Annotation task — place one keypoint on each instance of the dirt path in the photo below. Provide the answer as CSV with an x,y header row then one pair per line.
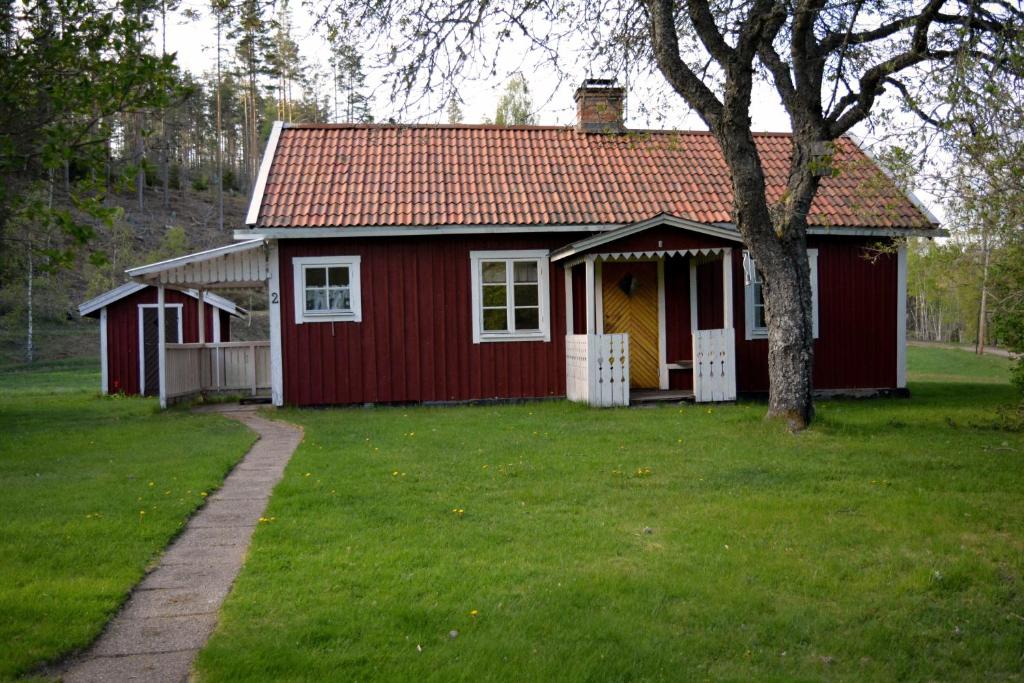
x,y
172,612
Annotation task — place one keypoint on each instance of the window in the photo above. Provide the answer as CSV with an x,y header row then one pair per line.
x,y
327,289
757,326
510,296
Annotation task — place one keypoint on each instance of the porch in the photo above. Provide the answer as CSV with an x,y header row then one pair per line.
x,y
227,367
652,319
191,369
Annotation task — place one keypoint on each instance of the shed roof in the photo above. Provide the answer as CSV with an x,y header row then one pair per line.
x,y
91,308
346,175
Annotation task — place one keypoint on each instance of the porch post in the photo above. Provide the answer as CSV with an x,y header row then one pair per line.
x,y
161,336
662,343
202,318
693,294
568,300
727,287
274,297
591,327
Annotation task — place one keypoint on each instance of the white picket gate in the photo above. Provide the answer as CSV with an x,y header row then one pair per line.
x,y
714,365
597,369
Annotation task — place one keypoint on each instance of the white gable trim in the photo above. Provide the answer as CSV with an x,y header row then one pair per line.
x,y
256,201
633,228
109,297
127,289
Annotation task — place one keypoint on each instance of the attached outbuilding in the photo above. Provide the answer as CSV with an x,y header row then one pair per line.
x,y
129,331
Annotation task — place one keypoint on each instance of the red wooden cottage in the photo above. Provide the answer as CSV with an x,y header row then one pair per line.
x,y
128,315
461,262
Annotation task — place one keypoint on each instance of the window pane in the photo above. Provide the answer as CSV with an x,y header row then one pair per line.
x,y
526,295
495,320
494,271
495,295
340,299
338,277
526,271
316,277
316,300
527,319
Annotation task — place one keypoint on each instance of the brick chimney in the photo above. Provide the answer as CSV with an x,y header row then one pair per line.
x,y
599,104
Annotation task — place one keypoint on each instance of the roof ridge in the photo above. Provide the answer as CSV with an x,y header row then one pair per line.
x,y
496,127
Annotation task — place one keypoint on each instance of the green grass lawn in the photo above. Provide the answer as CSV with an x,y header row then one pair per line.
x,y
564,543
936,364
91,490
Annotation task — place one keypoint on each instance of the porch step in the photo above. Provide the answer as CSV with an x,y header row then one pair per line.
x,y
657,396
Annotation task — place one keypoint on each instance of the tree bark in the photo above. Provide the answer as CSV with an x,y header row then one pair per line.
x,y
779,247
30,340
983,305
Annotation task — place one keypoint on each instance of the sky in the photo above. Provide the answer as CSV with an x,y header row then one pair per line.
x,y
650,103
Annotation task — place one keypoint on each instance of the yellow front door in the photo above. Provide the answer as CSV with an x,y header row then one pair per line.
x,y
630,292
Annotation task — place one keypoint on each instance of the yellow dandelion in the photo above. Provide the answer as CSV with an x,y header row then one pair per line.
x,y
204,494
473,613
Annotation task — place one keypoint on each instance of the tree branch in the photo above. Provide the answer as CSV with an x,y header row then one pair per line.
x,y
665,43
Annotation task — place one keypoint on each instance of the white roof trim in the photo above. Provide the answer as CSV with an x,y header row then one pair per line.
x,y
197,257
261,180
846,231
129,288
888,174
659,220
417,230
106,298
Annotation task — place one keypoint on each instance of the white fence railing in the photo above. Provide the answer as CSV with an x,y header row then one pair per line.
x,y
714,365
597,369
227,366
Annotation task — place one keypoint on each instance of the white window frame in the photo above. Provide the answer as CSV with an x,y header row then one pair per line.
x,y
540,256
749,269
299,266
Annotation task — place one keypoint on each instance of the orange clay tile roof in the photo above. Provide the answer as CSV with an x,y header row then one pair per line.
x,y
393,175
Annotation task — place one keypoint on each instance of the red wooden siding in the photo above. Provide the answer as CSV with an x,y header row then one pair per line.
x,y
415,341
123,333
856,345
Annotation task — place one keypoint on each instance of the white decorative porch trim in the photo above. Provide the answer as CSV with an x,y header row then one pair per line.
x,y
714,365
597,369
646,255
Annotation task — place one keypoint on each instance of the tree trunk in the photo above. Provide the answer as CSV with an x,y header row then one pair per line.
x,y
30,340
779,247
220,159
983,306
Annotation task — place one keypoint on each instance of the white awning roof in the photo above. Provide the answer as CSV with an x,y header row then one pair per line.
x,y
243,264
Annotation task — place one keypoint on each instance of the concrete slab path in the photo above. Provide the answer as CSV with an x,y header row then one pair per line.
x,y
173,611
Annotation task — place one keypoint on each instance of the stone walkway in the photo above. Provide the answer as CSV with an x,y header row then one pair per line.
x,y
172,612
